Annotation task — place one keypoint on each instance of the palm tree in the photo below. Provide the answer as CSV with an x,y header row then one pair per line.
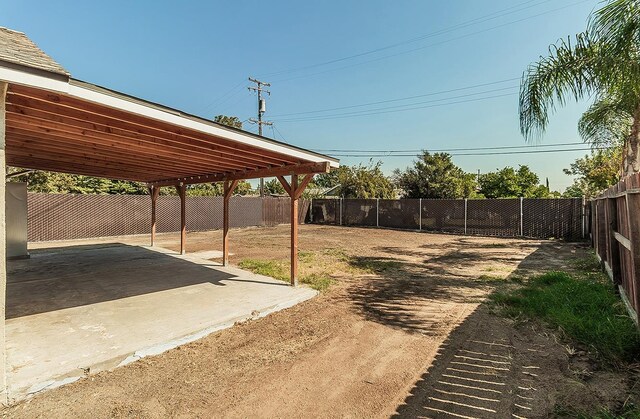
x,y
602,63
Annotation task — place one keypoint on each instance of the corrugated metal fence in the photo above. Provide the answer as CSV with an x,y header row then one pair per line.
x,y
615,236
67,216
536,218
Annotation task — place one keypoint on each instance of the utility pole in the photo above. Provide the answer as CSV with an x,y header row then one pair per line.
x,y
262,108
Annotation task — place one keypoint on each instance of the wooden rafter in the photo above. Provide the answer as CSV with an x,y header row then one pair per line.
x,y
61,133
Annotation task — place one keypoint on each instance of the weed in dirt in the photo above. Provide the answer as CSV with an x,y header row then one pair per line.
x,y
490,278
280,271
585,309
374,264
627,412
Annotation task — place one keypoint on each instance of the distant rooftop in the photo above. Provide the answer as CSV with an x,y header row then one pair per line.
x,y
17,48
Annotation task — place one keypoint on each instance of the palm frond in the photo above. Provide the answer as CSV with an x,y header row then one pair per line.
x,y
569,72
606,122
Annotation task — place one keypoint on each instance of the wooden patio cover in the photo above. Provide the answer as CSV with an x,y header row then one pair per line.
x,y
56,123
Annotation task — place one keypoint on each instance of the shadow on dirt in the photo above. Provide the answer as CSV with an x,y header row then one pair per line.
x,y
413,290
484,367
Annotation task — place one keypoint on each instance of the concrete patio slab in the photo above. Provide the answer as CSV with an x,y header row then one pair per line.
x,y
72,311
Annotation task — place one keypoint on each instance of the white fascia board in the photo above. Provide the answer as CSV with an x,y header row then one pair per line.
x,y
62,86
11,75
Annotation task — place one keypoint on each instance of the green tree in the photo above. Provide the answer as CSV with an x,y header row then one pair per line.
x,y
230,121
215,189
594,172
361,181
435,176
52,182
273,186
511,183
603,62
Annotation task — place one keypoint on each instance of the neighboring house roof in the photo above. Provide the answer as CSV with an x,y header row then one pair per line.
x,y
17,48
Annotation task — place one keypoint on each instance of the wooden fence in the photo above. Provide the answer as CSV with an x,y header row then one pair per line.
x,y
615,235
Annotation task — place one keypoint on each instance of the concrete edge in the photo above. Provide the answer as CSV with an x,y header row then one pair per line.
x,y
109,365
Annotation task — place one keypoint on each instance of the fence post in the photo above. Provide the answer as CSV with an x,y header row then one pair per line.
x,y
420,214
584,220
377,212
613,255
521,217
465,216
311,211
341,210
633,209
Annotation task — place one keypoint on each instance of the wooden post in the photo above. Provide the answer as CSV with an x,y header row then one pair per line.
x,y
613,256
154,191
229,187
3,246
182,192
633,209
294,190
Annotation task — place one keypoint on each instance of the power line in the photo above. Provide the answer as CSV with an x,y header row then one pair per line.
x,y
451,149
470,22
342,116
436,43
400,99
498,153
219,100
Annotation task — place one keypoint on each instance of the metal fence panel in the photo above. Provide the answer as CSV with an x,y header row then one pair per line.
x,y
359,212
443,215
493,217
398,213
552,218
325,211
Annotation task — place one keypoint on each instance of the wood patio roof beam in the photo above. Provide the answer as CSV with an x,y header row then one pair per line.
x,y
306,168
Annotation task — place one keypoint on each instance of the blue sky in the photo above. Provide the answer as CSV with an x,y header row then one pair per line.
x,y
197,55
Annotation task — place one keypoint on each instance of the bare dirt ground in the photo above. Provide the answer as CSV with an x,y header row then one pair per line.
x,y
400,332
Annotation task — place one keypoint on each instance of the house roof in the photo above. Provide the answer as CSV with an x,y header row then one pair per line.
x,y
17,48
62,124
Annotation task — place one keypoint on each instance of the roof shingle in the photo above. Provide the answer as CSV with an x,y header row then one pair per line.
x,y
17,48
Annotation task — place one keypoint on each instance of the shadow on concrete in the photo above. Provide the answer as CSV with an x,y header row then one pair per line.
x,y
65,277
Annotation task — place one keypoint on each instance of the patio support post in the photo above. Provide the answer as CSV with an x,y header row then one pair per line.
x,y
229,186
153,192
294,190
294,231
3,246
182,192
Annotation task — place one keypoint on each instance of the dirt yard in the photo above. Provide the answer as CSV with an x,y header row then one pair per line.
x,y
400,332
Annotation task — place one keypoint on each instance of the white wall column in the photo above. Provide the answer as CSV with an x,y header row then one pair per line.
x,y
3,246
